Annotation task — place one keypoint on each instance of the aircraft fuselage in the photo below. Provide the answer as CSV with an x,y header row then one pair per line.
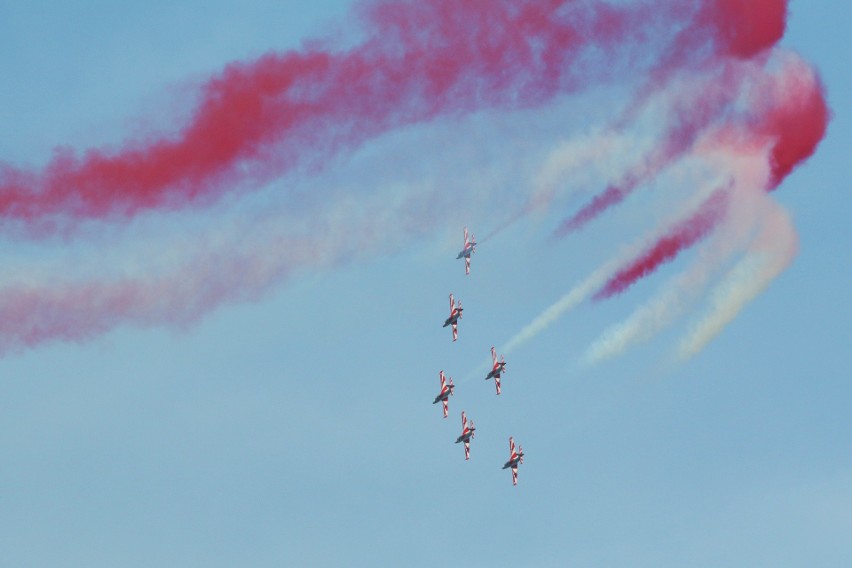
x,y
443,396
495,373
512,462
464,438
465,252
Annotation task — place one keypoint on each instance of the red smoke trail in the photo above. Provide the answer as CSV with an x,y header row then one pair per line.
x,y
677,143
797,126
77,309
681,237
744,28
259,119
692,110
740,29
423,59
789,112
613,195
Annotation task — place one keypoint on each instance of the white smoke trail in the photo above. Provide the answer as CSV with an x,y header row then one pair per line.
x,y
171,269
584,163
772,252
145,275
748,170
647,320
580,165
556,310
552,313
585,289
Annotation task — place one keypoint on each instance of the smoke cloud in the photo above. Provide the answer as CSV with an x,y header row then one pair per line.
x,y
687,78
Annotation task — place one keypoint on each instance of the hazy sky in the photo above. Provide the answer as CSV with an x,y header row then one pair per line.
x,y
291,423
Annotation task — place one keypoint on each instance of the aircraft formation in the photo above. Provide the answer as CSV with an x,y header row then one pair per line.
x,y
498,368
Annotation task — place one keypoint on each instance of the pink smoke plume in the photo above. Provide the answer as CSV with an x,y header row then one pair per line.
x,y
782,117
789,110
612,195
421,59
76,309
792,115
681,236
796,125
740,29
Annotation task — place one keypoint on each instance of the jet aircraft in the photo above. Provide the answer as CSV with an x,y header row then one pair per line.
x,y
466,435
455,314
469,248
497,368
515,458
446,391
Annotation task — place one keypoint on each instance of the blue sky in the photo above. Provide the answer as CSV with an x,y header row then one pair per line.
x,y
297,429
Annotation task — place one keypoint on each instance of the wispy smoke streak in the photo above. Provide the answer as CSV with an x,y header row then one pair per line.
x,y
790,125
556,310
239,261
648,319
715,73
688,104
259,119
772,252
750,174
549,316
683,235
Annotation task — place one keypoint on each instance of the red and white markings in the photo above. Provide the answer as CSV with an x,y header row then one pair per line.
x,y
445,393
515,458
455,315
466,435
497,369
469,248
